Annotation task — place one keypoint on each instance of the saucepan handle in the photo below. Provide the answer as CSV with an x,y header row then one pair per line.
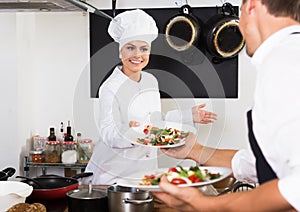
x,y
138,202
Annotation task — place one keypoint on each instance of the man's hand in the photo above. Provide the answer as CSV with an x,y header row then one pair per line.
x,y
183,199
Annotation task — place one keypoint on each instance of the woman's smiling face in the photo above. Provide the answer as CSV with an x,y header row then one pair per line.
x,y
135,56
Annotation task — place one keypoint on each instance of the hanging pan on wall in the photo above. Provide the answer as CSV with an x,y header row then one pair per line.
x,y
223,37
183,30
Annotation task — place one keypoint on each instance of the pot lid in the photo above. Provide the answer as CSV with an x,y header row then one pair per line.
x,y
87,194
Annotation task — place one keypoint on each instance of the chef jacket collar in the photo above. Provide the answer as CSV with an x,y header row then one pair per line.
x,y
124,77
275,39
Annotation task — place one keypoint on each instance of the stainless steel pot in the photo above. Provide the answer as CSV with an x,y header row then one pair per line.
x,y
87,200
125,199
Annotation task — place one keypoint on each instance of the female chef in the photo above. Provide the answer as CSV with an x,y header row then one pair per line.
x,y
126,99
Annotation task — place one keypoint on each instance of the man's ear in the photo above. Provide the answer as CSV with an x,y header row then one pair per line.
x,y
249,6
253,5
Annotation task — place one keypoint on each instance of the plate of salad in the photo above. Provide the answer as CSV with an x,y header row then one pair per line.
x,y
167,135
180,176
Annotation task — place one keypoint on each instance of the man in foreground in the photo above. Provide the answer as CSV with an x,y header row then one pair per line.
x,y
272,32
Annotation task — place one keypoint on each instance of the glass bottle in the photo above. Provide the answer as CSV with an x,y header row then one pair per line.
x,y
78,138
69,136
52,136
61,133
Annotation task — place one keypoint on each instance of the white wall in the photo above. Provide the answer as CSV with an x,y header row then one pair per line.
x,y
45,79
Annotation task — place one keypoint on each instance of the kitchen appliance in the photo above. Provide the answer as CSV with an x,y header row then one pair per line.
x,y
38,6
126,199
48,6
52,186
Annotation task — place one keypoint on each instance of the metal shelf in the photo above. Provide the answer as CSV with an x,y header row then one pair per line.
x,y
44,166
58,165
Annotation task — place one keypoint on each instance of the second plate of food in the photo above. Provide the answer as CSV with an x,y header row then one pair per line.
x,y
184,177
160,134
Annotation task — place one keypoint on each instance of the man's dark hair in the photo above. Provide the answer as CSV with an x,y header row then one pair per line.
x,y
283,8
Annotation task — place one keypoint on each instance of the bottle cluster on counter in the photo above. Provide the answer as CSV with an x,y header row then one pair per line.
x,y
62,148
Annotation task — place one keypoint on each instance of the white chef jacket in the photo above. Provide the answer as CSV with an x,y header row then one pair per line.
x,y
122,100
276,113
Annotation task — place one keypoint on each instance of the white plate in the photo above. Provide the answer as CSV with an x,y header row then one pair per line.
x,y
137,132
133,180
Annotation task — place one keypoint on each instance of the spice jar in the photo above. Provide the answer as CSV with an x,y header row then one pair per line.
x,y
39,143
85,150
36,156
69,152
52,152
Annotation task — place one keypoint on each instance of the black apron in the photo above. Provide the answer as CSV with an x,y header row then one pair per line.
x,y
264,170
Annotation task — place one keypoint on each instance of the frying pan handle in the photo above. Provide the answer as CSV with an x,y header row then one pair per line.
x,y
81,175
9,171
186,9
227,9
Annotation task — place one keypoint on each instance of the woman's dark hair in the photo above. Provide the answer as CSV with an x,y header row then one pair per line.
x,y
283,8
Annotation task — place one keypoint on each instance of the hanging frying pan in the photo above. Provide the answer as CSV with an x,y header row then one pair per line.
x,y
183,30
223,37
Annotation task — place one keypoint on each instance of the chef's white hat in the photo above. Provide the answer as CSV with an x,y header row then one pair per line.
x,y
133,25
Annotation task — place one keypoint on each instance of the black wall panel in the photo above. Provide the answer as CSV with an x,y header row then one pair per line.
x,y
188,74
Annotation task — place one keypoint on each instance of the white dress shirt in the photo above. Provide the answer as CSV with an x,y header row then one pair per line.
x,y
276,113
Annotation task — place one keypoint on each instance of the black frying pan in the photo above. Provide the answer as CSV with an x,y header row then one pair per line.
x,y
223,37
183,30
53,187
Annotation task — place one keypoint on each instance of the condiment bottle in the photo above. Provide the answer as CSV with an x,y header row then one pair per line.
x,y
69,136
52,136
78,137
61,136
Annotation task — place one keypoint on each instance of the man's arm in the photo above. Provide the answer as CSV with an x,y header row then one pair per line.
x,y
263,198
202,155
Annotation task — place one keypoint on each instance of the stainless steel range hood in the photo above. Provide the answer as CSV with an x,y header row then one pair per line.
x,y
39,6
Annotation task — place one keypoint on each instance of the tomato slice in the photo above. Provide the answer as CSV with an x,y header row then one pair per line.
x,y
152,176
194,178
172,169
178,181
